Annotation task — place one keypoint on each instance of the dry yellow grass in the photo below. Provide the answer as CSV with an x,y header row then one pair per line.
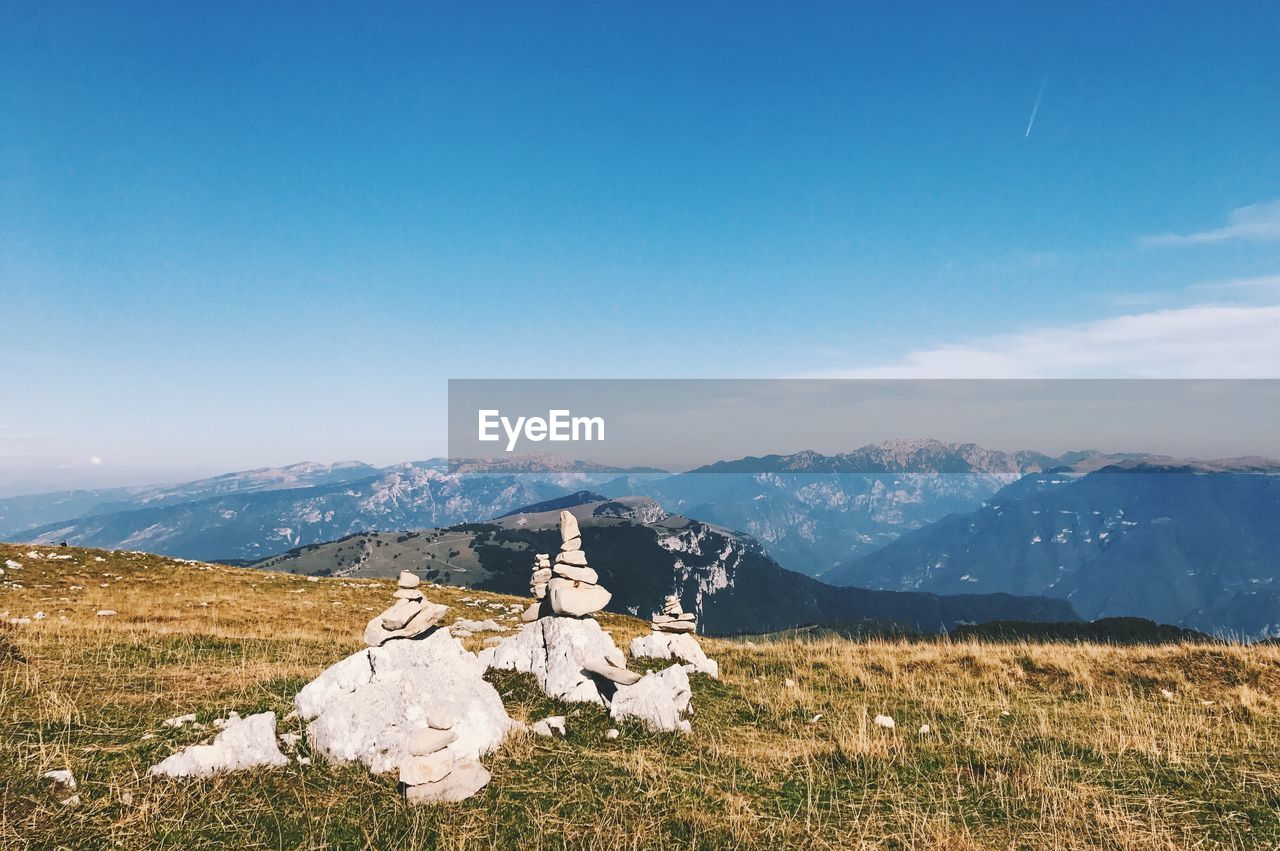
x,y
1031,746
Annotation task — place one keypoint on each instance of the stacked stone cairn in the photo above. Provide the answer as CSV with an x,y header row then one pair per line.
x,y
570,587
673,618
574,590
538,587
433,772
672,638
411,616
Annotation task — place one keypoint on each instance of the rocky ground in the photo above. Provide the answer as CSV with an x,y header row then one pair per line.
x,y
797,744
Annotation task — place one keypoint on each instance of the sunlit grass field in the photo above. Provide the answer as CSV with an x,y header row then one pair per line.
x,y
1029,746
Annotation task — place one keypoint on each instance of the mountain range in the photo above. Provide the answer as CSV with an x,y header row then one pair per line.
x,y
642,553
1188,543
1196,545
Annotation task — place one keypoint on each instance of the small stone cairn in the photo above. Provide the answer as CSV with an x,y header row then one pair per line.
x,y
411,616
570,587
673,618
433,772
673,638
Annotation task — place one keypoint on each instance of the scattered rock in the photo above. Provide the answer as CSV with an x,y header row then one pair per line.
x,y
243,743
60,778
884,721
179,720
106,613
549,726
611,733
659,700
924,729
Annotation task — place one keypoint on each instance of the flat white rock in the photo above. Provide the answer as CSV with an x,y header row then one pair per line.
x,y
366,707
577,574
573,558
662,645
243,743
660,700
549,726
576,599
467,778
426,617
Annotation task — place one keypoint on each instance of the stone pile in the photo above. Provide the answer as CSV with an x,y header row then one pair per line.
x,y
433,771
574,589
672,638
673,618
411,616
572,658
538,587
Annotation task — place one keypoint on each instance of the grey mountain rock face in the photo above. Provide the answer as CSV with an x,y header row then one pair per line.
x,y
1192,545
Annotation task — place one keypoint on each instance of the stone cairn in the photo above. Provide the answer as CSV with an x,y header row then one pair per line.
x,y
672,638
673,618
411,616
570,587
433,772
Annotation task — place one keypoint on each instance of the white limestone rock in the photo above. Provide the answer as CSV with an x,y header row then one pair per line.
x,y
660,700
549,726
466,779
556,650
428,740
576,599
243,743
366,707
426,768
577,574
568,527
381,630
408,580
621,676
574,558
659,645
571,544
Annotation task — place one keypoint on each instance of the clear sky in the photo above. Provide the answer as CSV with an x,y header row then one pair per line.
x,y
236,235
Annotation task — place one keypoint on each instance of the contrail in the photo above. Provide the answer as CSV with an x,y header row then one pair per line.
x,y
1036,108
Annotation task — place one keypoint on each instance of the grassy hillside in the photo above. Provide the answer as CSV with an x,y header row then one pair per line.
x,y
1052,746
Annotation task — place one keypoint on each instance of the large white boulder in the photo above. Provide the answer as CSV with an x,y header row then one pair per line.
x,y
660,700
660,645
366,707
556,651
243,743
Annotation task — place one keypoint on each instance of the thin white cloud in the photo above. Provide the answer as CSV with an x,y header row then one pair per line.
x,y
1203,341
1262,285
1255,223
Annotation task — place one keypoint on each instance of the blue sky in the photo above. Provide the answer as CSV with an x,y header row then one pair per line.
x,y
239,236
